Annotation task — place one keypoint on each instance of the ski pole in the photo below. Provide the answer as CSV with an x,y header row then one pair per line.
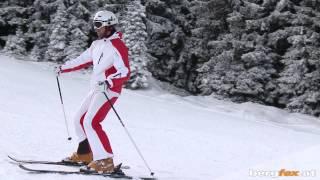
x,y
64,113
135,145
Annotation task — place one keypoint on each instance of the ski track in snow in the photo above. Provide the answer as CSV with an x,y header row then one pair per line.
x,y
182,138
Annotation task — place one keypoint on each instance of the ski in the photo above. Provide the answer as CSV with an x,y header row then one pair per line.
x,y
118,175
40,171
45,162
62,163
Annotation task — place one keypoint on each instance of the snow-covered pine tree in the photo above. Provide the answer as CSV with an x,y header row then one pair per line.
x,y
250,50
13,21
59,33
78,43
38,33
79,28
16,44
39,28
135,37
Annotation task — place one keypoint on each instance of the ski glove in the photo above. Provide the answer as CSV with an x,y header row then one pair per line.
x,y
57,70
103,85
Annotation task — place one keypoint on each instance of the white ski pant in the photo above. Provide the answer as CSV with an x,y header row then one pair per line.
x,y
92,112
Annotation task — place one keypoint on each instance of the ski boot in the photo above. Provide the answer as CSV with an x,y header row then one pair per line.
x,y
100,166
82,159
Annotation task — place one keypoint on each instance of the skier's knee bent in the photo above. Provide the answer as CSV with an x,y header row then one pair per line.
x,y
87,123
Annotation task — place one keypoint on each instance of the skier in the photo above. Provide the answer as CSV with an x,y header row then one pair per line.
x,y
109,57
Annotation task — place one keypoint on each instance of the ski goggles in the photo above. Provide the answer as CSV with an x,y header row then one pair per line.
x,y
98,24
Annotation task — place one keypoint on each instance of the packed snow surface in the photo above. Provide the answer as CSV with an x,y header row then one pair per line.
x,y
181,138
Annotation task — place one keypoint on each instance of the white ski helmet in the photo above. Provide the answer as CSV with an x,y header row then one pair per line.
x,y
104,18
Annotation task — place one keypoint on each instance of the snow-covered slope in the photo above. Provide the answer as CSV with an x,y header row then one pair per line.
x,y
182,138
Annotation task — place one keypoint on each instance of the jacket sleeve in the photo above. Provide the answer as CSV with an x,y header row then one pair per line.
x,y
82,61
122,73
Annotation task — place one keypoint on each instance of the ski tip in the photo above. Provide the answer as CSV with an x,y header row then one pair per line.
x,y
12,158
21,166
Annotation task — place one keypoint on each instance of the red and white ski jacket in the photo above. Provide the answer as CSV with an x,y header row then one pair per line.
x,y
109,57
